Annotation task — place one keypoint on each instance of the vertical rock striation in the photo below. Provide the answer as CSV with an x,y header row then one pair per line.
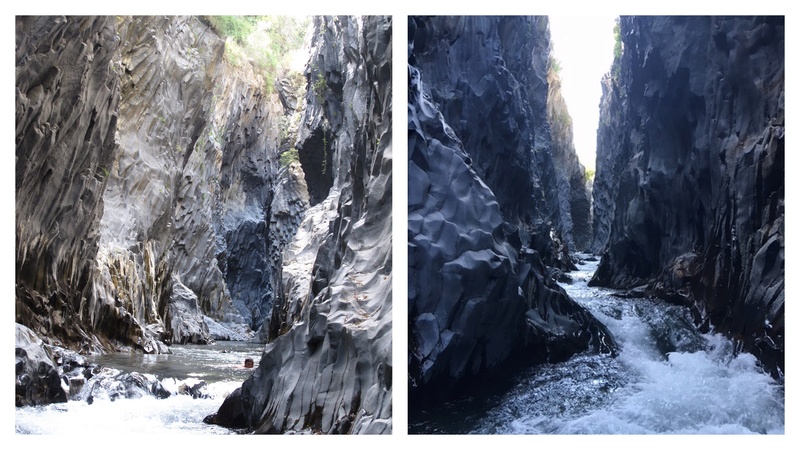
x,y
689,196
328,367
575,198
610,158
67,98
484,207
147,168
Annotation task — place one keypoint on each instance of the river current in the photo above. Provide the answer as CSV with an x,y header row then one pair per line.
x,y
220,366
667,379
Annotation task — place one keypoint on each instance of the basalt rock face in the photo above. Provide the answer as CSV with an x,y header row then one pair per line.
x,y
610,159
699,204
144,184
197,161
152,194
489,77
67,97
38,381
482,195
328,367
575,198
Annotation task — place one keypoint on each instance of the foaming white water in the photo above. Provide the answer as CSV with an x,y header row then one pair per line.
x,y
178,414
110,402
668,379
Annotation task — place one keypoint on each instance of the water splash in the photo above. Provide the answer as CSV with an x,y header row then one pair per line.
x,y
122,397
668,379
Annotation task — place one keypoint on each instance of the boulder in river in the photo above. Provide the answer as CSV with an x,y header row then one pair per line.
x,y
38,380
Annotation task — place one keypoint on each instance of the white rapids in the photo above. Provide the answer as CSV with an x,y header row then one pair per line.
x,y
109,412
667,379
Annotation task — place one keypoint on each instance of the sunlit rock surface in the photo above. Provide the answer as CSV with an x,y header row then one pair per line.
x,y
575,198
689,194
328,366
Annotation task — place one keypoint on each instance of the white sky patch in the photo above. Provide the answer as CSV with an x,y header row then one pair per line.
x,y
585,48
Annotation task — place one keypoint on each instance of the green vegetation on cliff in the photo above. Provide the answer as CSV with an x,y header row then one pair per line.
x,y
265,43
615,66
289,156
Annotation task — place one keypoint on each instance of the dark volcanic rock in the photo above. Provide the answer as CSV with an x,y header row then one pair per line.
x,y
481,198
67,95
573,193
112,384
328,367
38,380
489,78
611,157
234,412
690,177
142,156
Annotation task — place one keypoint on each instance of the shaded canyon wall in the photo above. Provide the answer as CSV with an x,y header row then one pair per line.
x,y
485,207
689,193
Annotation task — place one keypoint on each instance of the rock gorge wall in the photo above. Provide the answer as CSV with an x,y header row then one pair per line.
x,y
67,98
328,367
147,169
485,207
689,193
573,193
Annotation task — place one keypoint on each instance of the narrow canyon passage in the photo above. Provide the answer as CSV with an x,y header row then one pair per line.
x,y
668,378
183,182
677,325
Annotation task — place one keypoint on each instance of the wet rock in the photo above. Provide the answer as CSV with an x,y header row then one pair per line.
x,y
38,380
75,370
113,384
559,276
689,193
193,388
234,412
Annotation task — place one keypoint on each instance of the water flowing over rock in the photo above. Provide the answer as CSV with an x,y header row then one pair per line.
x,y
328,367
689,193
485,207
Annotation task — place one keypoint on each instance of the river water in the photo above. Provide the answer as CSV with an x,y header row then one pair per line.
x,y
668,379
220,366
